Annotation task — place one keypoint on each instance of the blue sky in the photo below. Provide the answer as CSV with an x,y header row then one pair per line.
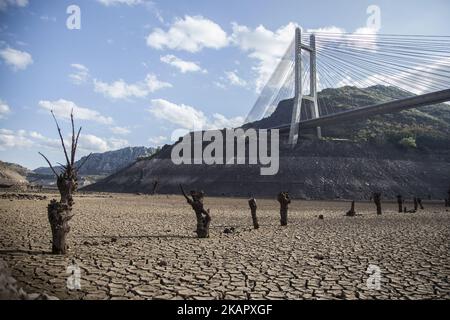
x,y
137,70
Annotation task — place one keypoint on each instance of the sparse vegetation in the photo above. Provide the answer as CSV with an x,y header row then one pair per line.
x,y
430,126
151,156
409,142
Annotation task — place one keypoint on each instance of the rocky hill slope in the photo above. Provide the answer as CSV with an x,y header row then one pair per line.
x,y
12,175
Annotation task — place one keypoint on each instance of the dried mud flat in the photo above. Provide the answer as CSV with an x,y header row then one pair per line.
x,y
144,247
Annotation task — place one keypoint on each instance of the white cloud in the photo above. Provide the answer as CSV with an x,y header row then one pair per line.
x,y
119,2
87,142
121,90
4,109
45,141
18,60
153,84
330,30
80,74
220,85
220,122
263,45
342,38
26,139
182,65
114,143
62,108
182,115
92,143
189,117
234,79
118,89
14,139
120,130
157,140
47,18
192,34
4,4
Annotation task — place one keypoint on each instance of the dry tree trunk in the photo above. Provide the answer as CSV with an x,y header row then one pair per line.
x,y
351,212
203,225
203,216
377,201
60,213
252,204
419,201
59,216
284,200
400,203
155,185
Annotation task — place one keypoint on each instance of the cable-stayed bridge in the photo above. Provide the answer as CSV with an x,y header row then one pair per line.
x,y
417,65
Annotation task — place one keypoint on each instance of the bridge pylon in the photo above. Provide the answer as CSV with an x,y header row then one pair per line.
x,y
299,96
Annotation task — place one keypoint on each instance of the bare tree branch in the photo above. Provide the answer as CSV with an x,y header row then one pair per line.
x,y
76,142
72,153
61,137
64,167
51,167
184,193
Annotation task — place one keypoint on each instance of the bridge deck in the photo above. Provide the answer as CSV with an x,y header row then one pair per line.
x,y
365,112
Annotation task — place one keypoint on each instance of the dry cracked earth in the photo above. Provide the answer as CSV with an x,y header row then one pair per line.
x,y
144,247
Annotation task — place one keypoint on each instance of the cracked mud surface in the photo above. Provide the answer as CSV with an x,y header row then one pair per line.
x,y
144,247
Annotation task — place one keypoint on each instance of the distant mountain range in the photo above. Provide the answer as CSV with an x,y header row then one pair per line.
x,y
105,163
98,166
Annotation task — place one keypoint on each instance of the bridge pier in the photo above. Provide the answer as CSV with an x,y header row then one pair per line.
x,y
299,96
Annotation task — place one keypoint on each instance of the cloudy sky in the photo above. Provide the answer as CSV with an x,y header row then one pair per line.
x,y
139,72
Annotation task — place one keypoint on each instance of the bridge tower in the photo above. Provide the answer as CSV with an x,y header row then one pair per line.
x,y
299,97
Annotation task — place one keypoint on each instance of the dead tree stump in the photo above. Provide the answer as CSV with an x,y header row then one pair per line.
x,y
60,213
377,201
284,200
203,225
351,212
252,204
202,215
400,203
